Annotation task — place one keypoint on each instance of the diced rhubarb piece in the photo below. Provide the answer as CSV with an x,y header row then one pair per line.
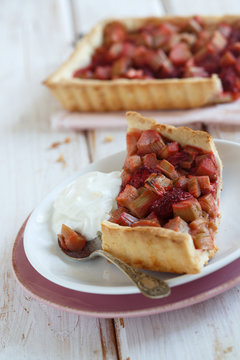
x,y
203,241
193,187
180,54
181,182
128,194
158,183
225,29
126,219
208,204
115,214
132,163
126,177
194,25
132,73
84,73
155,59
120,66
114,32
169,150
72,240
206,167
212,226
103,72
145,222
150,141
162,207
204,183
131,139
188,210
235,47
168,70
168,169
195,71
141,206
150,160
217,43
199,224
177,224
187,162
228,59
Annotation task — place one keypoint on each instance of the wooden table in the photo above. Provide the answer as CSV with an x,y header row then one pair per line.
x,y
36,36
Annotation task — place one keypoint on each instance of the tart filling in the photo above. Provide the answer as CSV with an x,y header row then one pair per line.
x,y
171,183
168,50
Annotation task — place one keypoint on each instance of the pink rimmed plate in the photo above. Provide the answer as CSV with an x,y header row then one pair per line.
x,y
112,306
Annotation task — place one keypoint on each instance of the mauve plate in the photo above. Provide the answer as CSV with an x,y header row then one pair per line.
x,y
113,306
101,277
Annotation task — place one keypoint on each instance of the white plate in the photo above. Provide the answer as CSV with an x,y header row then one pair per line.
x,y
98,276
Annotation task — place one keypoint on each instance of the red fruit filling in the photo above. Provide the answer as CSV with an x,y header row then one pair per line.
x,y
166,184
159,51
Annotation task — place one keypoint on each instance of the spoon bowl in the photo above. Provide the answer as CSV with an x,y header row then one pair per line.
x,y
148,285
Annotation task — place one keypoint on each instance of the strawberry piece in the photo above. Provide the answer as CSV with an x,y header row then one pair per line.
x,y
180,54
227,59
168,169
150,141
128,194
204,183
145,222
193,187
126,219
237,65
181,182
132,163
235,48
208,204
206,167
158,183
150,160
169,150
228,77
132,138
141,206
177,224
188,210
162,207
70,239
139,177
178,157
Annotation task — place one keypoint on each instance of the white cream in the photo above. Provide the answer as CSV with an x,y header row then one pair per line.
x,y
84,204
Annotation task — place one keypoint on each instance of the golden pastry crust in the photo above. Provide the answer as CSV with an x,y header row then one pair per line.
x,y
123,94
155,248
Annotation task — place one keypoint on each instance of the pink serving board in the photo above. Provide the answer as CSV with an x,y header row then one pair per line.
x,y
112,306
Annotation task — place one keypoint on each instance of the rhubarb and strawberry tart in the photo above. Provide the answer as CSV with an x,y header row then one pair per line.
x,y
168,205
152,63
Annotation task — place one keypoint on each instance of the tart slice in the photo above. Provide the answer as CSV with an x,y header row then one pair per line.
x,y
168,205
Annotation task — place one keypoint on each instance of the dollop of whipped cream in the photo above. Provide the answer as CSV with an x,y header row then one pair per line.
x,y
85,203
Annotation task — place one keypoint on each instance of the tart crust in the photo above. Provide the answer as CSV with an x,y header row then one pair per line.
x,y
157,248
123,94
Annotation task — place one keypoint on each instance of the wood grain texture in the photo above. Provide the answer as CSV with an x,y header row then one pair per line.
x,y
33,161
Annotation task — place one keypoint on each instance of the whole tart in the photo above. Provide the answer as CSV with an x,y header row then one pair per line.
x,y
168,205
152,63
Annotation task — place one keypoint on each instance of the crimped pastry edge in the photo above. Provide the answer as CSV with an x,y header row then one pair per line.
x,y
154,248
124,94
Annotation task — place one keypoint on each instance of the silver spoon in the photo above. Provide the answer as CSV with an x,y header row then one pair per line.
x,y
148,285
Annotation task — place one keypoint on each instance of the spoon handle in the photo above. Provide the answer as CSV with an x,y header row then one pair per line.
x,y
148,285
